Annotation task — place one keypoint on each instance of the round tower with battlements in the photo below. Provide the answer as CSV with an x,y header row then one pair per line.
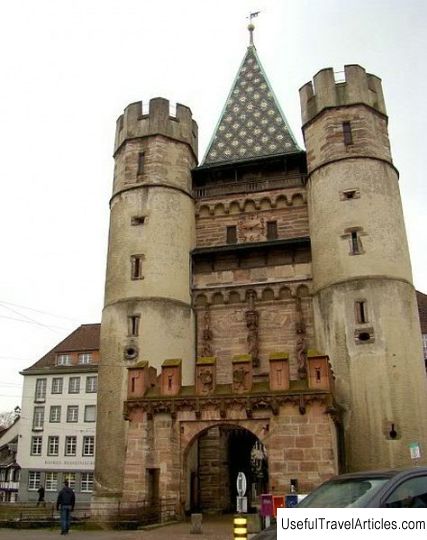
x,y
365,306
147,314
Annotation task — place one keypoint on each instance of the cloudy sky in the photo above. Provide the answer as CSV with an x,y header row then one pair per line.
x,y
69,67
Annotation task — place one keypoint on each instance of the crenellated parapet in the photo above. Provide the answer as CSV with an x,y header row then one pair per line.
x,y
324,92
133,123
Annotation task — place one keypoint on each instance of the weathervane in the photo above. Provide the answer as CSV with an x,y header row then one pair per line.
x,y
251,26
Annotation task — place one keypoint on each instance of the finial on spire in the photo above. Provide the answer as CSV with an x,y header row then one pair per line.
x,y
251,26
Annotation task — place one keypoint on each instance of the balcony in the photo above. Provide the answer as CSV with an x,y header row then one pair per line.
x,y
249,186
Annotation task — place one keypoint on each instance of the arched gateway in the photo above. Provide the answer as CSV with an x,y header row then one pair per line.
x,y
212,462
187,444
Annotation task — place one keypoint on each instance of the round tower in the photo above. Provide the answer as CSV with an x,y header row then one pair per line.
x,y
365,306
147,313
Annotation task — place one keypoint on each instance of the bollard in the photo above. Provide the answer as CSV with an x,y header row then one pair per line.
x,y
196,523
240,524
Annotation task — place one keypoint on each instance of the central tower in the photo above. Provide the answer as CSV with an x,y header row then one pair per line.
x,y
147,313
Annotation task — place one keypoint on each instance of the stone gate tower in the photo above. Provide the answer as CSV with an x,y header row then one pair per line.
x,y
364,302
147,313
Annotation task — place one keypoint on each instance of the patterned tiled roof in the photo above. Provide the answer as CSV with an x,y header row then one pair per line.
x,y
252,124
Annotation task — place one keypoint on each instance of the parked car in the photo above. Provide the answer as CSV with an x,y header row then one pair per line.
x,y
395,488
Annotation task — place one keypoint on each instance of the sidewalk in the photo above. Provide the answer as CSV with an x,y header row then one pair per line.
x,y
218,528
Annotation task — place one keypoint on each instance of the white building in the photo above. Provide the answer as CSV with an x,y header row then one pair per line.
x,y
58,418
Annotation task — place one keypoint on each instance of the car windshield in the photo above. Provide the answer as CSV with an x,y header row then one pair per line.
x,y
352,492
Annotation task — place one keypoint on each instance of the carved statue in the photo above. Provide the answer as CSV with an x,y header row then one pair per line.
x,y
206,336
206,378
252,325
301,347
239,376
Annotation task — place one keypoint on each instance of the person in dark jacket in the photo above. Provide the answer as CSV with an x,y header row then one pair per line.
x,y
65,504
40,491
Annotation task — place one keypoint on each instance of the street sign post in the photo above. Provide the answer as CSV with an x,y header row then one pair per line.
x,y
241,484
242,501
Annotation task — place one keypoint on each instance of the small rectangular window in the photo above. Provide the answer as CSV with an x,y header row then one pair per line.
x,y
71,477
72,413
87,482
355,244
57,385
361,312
33,480
53,445
63,360
88,448
38,418
141,162
51,481
348,135
40,394
36,446
74,385
136,266
85,358
231,234
271,230
70,446
90,413
91,384
133,325
55,413
137,220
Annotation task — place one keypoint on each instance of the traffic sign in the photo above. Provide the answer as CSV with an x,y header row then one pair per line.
x,y
241,484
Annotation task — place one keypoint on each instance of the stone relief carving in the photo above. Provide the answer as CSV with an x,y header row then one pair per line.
x,y
252,316
206,378
239,377
251,228
301,344
206,349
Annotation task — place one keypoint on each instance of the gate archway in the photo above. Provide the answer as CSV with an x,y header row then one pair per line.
x,y
213,460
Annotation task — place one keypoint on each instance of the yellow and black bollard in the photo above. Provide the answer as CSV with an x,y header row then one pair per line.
x,y
240,525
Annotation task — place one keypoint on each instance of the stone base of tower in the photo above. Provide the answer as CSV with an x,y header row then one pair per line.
x,y
380,375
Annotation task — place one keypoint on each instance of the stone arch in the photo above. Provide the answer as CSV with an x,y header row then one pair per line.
x,y
250,205
201,300
204,211
217,298
234,297
234,207
219,209
265,203
302,290
297,199
285,293
281,201
267,294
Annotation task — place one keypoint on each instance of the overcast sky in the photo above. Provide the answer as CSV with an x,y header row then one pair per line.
x,y
69,67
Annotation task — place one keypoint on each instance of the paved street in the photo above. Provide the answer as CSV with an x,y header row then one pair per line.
x,y
220,528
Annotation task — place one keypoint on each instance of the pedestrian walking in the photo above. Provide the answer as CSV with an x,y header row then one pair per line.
x,y
65,504
40,491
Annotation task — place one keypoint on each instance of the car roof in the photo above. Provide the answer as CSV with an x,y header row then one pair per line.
x,y
383,473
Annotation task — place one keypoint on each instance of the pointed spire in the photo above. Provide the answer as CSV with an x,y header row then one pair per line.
x,y
252,124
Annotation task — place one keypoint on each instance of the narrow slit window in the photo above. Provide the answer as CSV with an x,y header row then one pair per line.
x,y
136,266
141,162
361,312
133,325
355,244
271,230
347,133
231,234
